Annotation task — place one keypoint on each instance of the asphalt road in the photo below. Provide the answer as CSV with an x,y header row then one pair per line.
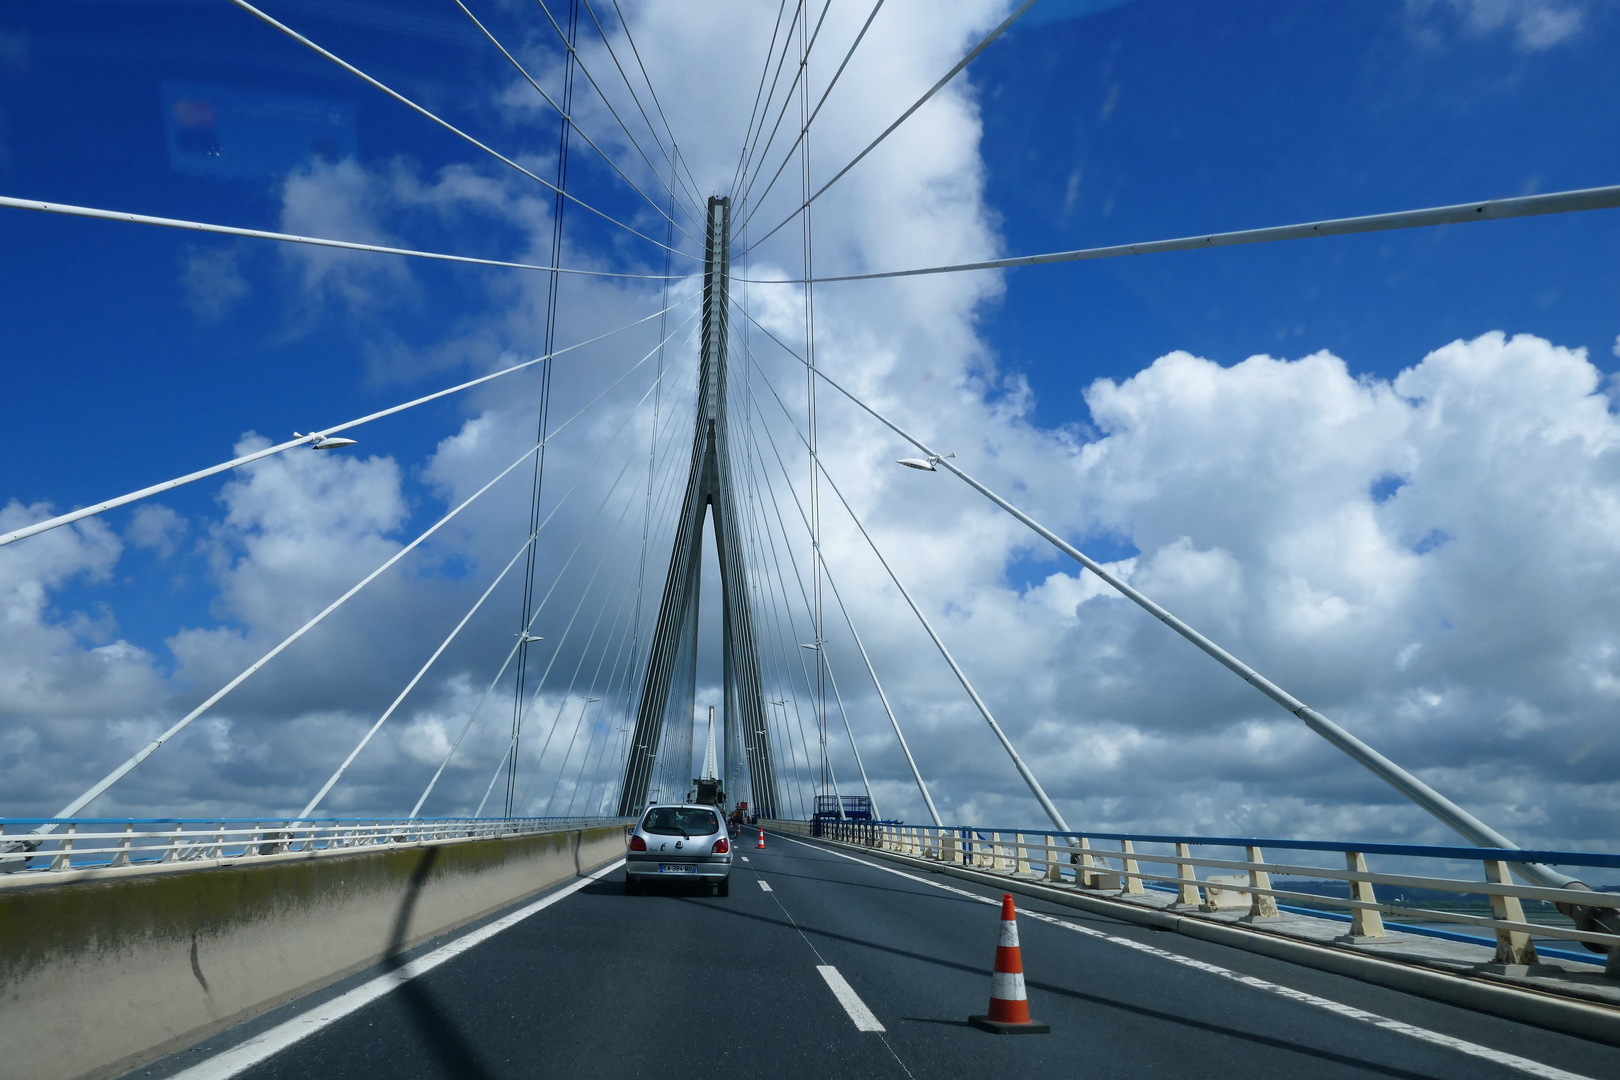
x,y
681,984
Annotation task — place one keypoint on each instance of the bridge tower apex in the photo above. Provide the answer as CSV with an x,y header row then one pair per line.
x,y
709,493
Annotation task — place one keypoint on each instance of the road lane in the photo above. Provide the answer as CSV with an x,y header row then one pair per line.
x,y
679,983
600,984
922,964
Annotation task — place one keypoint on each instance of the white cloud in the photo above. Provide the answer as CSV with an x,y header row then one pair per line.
x,y
1462,619
64,672
212,282
156,527
1535,24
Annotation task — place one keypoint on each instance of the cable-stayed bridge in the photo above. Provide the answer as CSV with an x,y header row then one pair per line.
x,y
496,938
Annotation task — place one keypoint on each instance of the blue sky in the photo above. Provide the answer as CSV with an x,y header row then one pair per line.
x,y
132,354
1172,119
1123,122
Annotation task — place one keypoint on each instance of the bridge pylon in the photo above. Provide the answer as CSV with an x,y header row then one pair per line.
x,y
674,639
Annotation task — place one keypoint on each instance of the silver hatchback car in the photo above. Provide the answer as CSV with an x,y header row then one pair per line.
x,y
683,842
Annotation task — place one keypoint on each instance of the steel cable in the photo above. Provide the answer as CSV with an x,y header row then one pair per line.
x,y
826,660
112,778
922,787
800,83
798,577
511,746
936,88
1553,202
567,117
1023,769
557,215
402,99
95,213
304,440
573,52
787,157
584,532
770,50
675,146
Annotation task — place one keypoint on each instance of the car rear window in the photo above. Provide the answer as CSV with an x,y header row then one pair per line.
x,y
680,820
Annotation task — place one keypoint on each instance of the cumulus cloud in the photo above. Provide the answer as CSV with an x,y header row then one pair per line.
x,y
66,672
1428,559
1253,494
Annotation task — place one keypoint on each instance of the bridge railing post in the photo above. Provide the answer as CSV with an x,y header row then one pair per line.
x,y
1054,870
1186,878
1133,872
1021,856
1512,946
121,857
1364,922
1261,905
63,860
171,850
1084,875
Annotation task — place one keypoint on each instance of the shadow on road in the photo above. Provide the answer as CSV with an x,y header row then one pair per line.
x,y
1256,1038
455,1054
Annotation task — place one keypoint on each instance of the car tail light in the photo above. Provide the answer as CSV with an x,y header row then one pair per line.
x,y
721,846
637,844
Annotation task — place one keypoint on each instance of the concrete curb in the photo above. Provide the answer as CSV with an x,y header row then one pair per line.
x,y
162,960
1542,1009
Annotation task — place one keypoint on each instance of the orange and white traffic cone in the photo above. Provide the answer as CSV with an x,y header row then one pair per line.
x,y
1009,1005
761,845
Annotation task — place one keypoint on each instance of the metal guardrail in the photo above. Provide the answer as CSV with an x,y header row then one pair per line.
x,y
850,831
80,844
1243,885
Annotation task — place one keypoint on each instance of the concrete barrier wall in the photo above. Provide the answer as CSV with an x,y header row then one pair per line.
x,y
105,973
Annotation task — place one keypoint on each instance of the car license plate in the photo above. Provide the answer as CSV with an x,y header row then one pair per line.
x,y
676,868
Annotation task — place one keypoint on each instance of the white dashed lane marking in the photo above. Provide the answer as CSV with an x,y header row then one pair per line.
x,y
848,998
765,885
1349,1012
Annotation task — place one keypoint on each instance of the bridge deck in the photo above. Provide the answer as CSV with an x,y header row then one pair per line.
x,y
679,985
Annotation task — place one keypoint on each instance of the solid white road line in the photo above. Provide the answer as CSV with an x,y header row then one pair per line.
x,y
240,1058
849,999
1485,1053
763,884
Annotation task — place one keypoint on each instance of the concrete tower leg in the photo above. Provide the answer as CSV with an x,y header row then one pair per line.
x,y
709,487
